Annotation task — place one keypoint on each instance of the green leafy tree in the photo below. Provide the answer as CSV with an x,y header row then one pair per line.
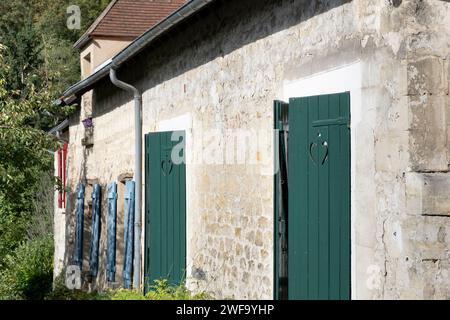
x,y
39,49
37,62
24,155
29,271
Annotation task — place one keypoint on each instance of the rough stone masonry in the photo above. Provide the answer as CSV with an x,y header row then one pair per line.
x,y
223,70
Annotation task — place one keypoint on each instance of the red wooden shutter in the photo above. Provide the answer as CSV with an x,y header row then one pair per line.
x,y
62,174
59,155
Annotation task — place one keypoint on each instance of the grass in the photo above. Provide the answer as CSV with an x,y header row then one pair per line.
x,y
161,290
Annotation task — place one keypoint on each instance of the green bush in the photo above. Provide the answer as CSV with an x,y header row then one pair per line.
x,y
61,292
126,294
160,291
28,271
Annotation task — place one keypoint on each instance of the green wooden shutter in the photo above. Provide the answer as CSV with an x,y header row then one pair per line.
x,y
165,186
319,197
280,200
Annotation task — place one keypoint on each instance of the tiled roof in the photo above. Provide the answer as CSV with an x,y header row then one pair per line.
x,y
129,18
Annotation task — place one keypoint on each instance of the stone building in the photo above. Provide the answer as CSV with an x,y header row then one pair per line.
x,y
311,150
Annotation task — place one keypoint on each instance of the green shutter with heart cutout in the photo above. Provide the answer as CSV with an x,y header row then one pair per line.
x,y
165,207
319,197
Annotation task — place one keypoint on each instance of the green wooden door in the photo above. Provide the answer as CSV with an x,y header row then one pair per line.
x,y
319,197
165,205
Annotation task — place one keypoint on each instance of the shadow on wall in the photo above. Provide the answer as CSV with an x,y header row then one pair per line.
x,y
218,30
88,282
100,281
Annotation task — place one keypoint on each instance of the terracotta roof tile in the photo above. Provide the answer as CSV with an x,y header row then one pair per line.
x,y
131,18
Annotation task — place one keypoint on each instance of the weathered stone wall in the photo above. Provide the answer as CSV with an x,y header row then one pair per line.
x,y
415,233
223,70
107,157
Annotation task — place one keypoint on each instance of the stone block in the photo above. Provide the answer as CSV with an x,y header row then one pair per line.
x,y
428,193
426,76
435,192
427,142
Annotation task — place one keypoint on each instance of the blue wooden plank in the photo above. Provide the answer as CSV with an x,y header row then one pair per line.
x,y
111,237
129,234
95,230
78,250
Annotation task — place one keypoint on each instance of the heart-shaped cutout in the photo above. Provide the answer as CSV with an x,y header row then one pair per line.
x,y
166,167
312,146
323,152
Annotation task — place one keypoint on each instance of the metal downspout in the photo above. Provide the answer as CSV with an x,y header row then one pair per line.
x,y
137,171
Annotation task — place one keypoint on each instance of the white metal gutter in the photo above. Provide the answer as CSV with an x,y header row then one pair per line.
x,y
137,96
